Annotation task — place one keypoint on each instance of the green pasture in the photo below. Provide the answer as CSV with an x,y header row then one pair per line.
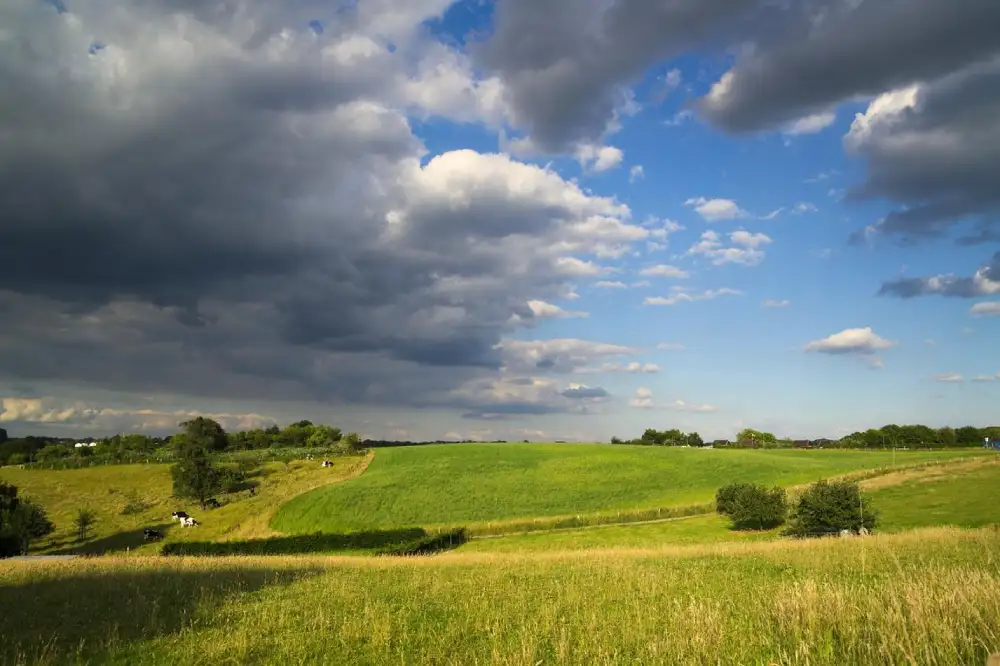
x,y
468,484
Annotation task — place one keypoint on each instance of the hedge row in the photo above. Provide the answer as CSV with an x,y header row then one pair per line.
x,y
410,541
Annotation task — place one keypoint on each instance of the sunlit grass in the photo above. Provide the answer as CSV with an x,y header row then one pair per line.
x,y
931,596
106,490
478,484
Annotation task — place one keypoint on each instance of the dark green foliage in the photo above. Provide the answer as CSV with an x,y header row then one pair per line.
x,y
830,507
758,508
194,474
673,437
3,435
83,522
408,541
21,521
725,497
205,433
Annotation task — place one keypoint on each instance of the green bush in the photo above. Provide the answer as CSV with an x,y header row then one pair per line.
x,y
756,507
829,508
725,497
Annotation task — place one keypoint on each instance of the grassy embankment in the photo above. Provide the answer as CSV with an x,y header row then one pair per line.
x,y
930,597
497,488
107,489
960,494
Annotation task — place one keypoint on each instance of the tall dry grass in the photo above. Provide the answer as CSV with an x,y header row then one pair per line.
x,y
926,597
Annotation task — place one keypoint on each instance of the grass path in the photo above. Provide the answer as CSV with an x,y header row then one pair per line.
x,y
930,596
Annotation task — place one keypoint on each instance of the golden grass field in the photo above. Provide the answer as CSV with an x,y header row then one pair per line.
x,y
683,591
930,596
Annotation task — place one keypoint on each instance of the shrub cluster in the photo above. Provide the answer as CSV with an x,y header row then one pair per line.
x,y
751,506
831,507
824,508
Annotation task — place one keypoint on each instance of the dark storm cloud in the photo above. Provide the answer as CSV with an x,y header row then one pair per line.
x,y
986,282
853,48
204,207
934,155
564,63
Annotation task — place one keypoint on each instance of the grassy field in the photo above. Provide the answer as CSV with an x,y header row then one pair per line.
x,y
968,497
928,597
466,484
107,489
961,494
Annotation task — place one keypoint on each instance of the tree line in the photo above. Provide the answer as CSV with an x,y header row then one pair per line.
x,y
136,447
886,437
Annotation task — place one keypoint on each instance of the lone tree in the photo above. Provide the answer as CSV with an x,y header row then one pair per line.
x,y
193,474
829,508
21,522
84,521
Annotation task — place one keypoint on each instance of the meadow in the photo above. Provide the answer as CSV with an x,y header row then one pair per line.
x,y
108,489
475,484
958,494
930,596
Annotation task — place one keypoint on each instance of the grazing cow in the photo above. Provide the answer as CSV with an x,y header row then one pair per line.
x,y
253,491
179,515
327,463
149,534
212,503
189,522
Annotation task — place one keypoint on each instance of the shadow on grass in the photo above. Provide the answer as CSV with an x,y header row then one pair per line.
x,y
409,541
117,542
68,619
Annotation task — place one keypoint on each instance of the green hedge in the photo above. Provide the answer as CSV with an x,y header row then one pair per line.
x,y
410,541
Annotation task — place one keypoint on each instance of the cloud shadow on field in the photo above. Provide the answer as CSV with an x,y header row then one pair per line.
x,y
62,619
117,542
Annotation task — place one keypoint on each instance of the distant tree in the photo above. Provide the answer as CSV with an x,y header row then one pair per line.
x,y
3,435
350,443
303,424
194,475
323,435
946,437
206,433
830,507
758,438
969,436
51,452
756,507
616,440
693,439
21,522
83,522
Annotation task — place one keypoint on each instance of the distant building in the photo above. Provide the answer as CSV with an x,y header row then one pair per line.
x,y
80,445
822,442
802,444
992,444
720,442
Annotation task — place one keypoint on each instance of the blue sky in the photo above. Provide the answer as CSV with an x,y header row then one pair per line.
x,y
827,251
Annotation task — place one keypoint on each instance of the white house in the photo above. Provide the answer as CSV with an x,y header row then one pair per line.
x,y
80,445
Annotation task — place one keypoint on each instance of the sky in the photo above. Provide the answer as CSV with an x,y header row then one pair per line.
x,y
521,219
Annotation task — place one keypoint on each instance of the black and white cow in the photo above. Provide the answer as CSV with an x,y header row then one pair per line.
x,y
212,503
188,521
178,515
327,463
